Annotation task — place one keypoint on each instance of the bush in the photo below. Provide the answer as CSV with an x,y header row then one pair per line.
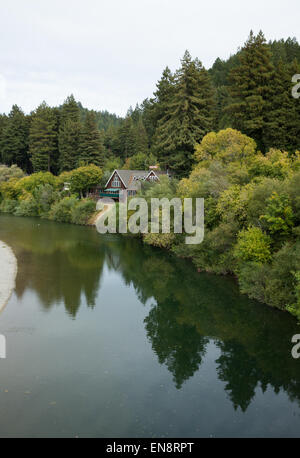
x,y
160,240
279,215
6,173
82,212
31,182
253,245
27,207
215,254
62,211
45,196
8,206
276,284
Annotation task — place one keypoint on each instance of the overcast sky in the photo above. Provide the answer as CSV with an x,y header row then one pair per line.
x,y
111,53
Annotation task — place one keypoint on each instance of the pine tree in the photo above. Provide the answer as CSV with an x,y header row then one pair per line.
x,y
164,93
294,125
43,139
282,125
141,138
188,118
250,88
91,147
69,132
3,123
14,142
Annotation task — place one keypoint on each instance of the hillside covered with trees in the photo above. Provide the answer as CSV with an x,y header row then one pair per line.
x,y
251,92
230,134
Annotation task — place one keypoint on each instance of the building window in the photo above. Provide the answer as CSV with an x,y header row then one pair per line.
x,y
116,183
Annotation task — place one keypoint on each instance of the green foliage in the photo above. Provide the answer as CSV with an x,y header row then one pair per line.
x,y
215,254
83,211
43,139
8,206
160,240
112,163
14,139
140,161
279,215
45,196
253,245
27,207
275,164
61,211
226,146
91,148
6,173
187,116
9,189
250,88
294,308
30,182
84,178
275,283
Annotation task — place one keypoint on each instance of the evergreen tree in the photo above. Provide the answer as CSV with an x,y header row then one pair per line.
x,y
91,147
3,123
43,139
158,107
14,139
188,118
251,88
282,123
69,132
294,125
141,138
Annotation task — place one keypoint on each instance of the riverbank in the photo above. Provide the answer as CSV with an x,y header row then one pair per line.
x,y
8,273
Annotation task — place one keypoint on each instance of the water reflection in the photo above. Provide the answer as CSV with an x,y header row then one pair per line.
x,y
64,264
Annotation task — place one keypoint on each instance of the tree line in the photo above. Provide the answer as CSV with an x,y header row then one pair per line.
x,y
251,92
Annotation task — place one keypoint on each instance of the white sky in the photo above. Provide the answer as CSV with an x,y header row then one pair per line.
x,y
111,53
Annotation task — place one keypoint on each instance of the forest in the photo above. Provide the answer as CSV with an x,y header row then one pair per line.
x,y
229,134
250,92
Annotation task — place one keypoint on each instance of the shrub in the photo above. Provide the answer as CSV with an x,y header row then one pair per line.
x,y
45,196
215,254
276,284
279,215
84,178
8,206
160,240
27,207
61,211
253,245
82,212
6,173
31,182
228,145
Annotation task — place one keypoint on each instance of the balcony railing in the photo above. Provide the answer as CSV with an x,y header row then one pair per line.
x,y
109,193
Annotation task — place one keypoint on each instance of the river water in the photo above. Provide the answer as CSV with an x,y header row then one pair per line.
x,y
107,337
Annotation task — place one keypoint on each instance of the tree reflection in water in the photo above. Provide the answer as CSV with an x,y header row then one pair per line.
x,y
65,263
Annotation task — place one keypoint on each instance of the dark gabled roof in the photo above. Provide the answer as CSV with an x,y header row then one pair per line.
x,y
127,176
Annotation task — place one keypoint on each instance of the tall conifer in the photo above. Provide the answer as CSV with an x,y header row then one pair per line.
x,y
43,139
69,132
250,88
188,117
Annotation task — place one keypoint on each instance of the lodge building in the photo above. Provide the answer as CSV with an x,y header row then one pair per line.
x,y
130,180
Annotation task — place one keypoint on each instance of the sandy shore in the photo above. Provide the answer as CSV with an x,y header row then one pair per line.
x,y
8,273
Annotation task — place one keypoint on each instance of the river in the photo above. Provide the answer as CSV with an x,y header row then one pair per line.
x,y
107,337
